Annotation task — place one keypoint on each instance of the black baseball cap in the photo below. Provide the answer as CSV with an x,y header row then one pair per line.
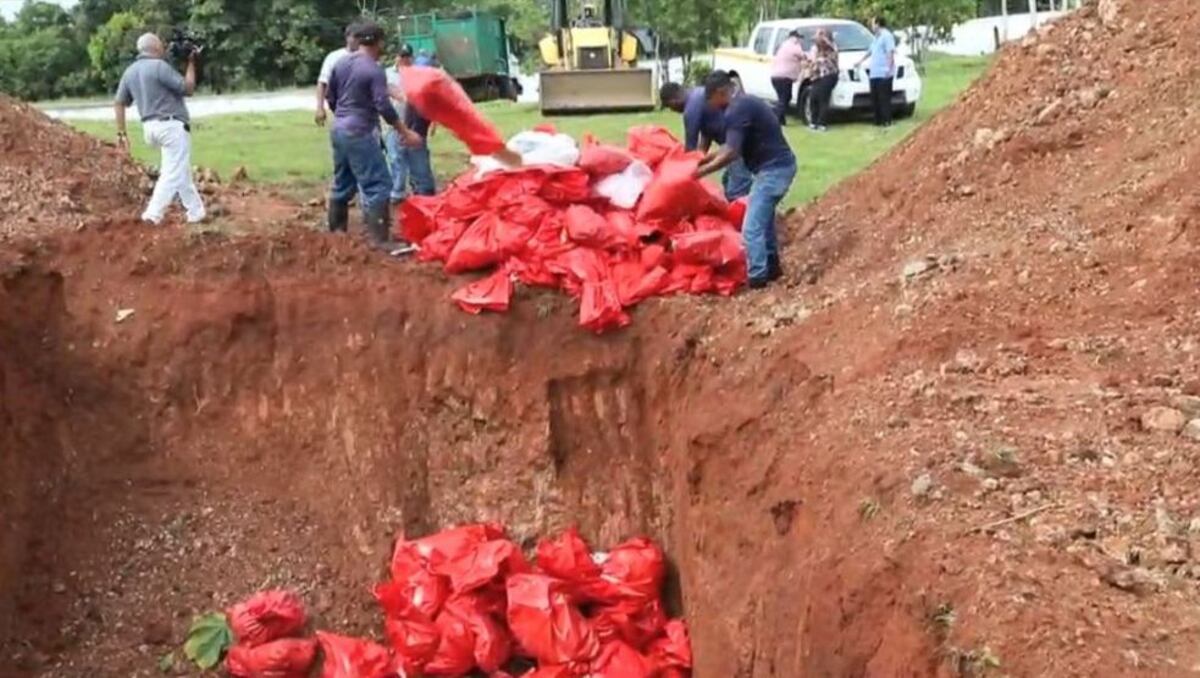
x,y
406,50
369,34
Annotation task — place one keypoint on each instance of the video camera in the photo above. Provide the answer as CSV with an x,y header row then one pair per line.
x,y
184,44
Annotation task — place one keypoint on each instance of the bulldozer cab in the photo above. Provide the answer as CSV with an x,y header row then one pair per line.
x,y
591,61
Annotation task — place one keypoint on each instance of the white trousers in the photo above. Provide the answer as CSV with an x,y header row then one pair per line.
x,y
175,172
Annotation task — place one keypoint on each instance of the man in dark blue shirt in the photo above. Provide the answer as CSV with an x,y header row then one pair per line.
x,y
752,132
358,96
702,126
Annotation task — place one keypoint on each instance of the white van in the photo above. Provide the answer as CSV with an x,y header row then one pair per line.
x,y
752,65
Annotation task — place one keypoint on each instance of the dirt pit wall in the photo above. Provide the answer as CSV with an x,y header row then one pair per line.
x,y
274,414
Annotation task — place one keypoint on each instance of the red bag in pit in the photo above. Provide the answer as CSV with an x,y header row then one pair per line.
x,y
673,649
483,564
544,623
354,658
418,215
600,307
266,616
634,622
635,283
565,185
492,293
652,144
415,641
601,160
567,557
675,194
440,99
619,660
283,658
438,245
708,248
478,247
586,227
633,570
446,545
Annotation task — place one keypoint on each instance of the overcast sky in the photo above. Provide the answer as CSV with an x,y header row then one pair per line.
x,y
9,8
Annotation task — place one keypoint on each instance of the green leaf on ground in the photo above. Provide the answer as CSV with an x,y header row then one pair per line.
x,y
207,640
166,662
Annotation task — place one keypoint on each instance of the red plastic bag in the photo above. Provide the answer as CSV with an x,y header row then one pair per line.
x,y
266,616
413,586
283,658
567,186
440,547
674,193
493,643
708,248
586,227
483,564
527,210
634,622
634,570
440,99
455,655
601,160
635,283
477,248
353,657
600,307
673,649
567,557
652,144
737,211
619,660
492,293
417,217
544,623
414,640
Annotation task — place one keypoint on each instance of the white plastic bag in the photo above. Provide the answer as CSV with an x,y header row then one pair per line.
x,y
624,188
535,148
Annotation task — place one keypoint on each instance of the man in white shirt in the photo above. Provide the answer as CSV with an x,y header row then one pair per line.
x,y
331,60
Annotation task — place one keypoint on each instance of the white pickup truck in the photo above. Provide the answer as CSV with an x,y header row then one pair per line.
x,y
752,65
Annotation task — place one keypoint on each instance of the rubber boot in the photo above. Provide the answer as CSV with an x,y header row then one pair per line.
x,y
338,216
379,227
774,269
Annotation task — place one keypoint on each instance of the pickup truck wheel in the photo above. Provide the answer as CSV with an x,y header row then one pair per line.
x,y
906,111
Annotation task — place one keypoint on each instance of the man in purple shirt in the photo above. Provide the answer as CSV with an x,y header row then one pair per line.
x,y
358,96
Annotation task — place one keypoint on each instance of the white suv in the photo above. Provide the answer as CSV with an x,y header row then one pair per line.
x,y
752,65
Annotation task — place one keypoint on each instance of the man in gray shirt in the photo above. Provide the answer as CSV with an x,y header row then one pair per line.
x,y
159,90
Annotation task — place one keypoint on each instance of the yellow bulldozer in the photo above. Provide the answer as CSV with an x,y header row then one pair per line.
x,y
591,62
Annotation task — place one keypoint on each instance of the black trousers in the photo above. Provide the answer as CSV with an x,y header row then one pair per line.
x,y
784,89
881,97
821,95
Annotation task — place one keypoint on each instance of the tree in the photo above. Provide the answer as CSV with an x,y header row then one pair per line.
x,y
113,47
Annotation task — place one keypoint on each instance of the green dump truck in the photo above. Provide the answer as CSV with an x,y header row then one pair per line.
x,y
472,46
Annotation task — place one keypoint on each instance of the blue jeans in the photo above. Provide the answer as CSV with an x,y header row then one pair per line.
x,y
411,166
359,165
771,183
737,180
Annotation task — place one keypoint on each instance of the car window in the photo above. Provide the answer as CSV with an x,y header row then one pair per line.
x,y
847,37
780,36
762,41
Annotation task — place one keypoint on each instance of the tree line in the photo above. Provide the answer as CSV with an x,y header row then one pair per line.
x,y
47,52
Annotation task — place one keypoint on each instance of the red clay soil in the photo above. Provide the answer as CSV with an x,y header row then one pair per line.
x,y
949,446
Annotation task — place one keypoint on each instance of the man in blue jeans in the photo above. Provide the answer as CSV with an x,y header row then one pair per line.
x,y
411,165
358,96
752,132
702,126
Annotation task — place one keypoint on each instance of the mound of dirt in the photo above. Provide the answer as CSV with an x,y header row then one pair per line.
x,y
53,177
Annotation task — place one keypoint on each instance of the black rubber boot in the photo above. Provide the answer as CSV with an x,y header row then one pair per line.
x,y
774,269
338,216
379,227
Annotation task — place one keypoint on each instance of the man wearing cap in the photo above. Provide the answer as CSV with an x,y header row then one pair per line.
x,y
396,151
358,96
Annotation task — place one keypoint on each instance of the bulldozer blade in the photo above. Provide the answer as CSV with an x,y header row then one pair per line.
x,y
627,89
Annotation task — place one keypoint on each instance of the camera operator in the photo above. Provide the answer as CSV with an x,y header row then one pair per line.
x,y
158,90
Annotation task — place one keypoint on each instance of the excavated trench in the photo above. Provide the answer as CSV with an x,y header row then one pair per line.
x,y
272,424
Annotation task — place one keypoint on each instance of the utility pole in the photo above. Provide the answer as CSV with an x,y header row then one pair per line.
x,y
1004,20
1033,12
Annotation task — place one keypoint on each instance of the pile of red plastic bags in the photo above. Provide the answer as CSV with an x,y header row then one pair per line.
x,y
548,225
465,601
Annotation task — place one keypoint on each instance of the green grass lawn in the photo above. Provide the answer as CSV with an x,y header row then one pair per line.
x,y
287,148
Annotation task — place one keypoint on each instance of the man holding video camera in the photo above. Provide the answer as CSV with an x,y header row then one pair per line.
x,y
159,90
